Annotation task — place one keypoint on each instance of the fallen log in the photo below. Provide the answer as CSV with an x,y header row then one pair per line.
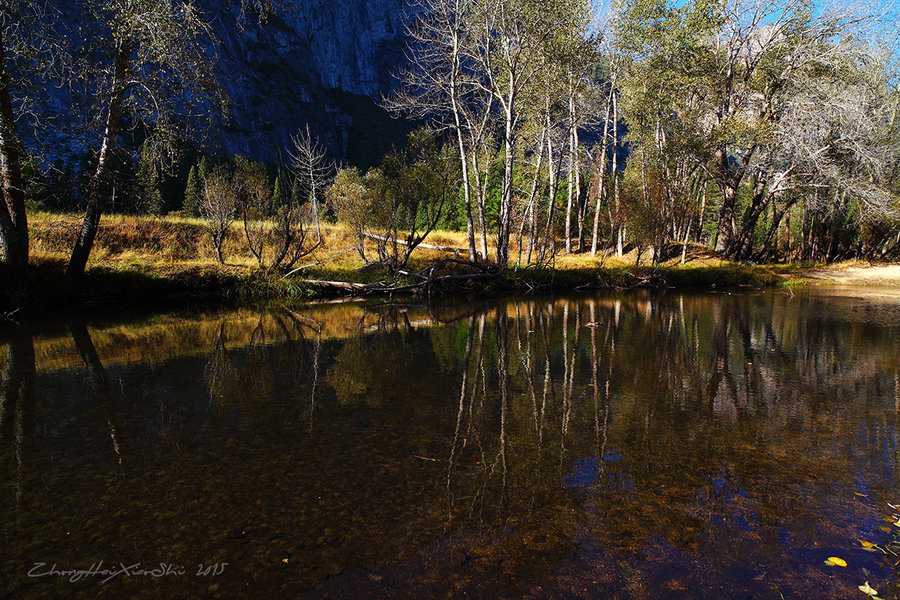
x,y
362,289
340,285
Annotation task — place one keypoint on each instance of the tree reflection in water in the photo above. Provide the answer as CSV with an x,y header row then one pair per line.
x,y
16,429
622,446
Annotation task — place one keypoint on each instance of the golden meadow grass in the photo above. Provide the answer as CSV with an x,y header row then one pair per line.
x,y
174,246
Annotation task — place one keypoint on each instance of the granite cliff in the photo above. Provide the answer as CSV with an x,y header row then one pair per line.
x,y
321,62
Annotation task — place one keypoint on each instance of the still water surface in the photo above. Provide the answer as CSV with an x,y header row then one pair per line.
x,y
615,446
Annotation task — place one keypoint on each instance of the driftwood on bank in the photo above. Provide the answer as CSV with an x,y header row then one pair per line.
x,y
426,287
428,283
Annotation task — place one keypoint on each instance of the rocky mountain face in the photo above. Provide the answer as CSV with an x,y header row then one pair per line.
x,y
321,62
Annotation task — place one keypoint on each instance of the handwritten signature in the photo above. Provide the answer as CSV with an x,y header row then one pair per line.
x,y
133,570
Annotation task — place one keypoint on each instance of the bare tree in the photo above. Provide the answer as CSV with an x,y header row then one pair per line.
x,y
438,86
508,40
313,170
218,206
254,198
290,226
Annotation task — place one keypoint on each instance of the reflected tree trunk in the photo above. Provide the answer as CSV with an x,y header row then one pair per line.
x,y
315,381
17,409
601,427
91,360
503,380
217,371
302,323
460,415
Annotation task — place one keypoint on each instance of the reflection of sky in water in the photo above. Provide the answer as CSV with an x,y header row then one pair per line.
x,y
730,505
586,474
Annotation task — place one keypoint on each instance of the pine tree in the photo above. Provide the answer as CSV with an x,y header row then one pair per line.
x,y
192,193
279,198
147,182
203,169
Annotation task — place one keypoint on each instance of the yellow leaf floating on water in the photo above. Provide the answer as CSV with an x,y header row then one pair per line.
x,y
867,589
865,544
834,561
861,495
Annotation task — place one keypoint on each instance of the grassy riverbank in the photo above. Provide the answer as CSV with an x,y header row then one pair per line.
x,y
141,260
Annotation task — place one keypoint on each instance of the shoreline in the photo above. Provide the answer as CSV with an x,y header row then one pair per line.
x,y
853,275
165,263
212,287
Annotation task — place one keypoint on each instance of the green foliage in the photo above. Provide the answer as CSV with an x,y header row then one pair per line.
x,y
193,193
147,181
401,201
494,191
350,199
281,196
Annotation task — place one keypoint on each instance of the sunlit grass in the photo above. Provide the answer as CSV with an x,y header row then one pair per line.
x,y
145,251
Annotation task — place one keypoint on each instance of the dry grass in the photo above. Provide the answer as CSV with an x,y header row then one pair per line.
x,y
178,241
137,255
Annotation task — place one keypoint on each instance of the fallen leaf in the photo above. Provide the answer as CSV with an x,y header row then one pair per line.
x,y
861,495
865,544
867,589
834,561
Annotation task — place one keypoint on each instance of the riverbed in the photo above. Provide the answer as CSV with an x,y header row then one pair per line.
x,y
648,444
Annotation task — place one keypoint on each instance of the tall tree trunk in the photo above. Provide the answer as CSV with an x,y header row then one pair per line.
x,y
13,220
725,229
481,186
601,176
702,212
528,217
580,204
467,191
570,190
620,222
742,246
729,178
553,174
463,158
505,216
101,184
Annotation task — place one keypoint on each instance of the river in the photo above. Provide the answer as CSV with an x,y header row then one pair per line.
x,y
623,445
